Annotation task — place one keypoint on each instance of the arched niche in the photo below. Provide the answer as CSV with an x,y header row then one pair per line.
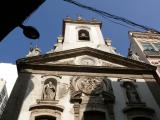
x,y
53,80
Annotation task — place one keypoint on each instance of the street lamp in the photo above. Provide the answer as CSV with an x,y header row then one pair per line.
x,y
30,32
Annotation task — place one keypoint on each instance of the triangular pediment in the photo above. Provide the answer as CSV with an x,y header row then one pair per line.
x,y
84,60
85,56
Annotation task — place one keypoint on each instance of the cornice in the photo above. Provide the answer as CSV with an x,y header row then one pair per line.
x,y
41,59
81,21
145,35
85,69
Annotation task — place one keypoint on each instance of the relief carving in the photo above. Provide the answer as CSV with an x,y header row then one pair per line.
x,y
90,85
108,85
75,93
92,93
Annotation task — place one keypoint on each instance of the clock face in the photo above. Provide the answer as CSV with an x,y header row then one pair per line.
x,y
87,61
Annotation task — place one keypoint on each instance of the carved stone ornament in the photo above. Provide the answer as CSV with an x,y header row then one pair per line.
x,y
90,85
34,52
75,93
93,93
83,87
86,60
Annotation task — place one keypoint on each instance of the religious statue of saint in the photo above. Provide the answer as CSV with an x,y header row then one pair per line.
x,y
49,91
132,94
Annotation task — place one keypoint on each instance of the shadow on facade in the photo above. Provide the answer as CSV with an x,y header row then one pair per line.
x,y
93,98
18,95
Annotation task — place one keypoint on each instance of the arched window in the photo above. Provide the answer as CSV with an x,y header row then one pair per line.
x,y
83,35
94,115
45,117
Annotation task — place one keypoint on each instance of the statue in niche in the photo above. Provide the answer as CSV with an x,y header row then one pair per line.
x,y
132,94
49,91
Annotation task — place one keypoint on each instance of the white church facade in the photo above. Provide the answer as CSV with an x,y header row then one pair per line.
x,y
83,78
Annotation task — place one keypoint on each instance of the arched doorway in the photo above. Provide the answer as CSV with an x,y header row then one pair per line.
x,y
94,115
141,118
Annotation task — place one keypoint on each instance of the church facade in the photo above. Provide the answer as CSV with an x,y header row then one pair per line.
x,y
83,78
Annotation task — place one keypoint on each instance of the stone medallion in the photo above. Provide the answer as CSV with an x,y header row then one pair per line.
x,y
90,85
87,61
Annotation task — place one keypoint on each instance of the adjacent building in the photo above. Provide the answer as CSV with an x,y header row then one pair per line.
x,y
145,46
3,96
83,78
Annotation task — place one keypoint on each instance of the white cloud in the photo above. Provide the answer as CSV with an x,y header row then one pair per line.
x,y
8,72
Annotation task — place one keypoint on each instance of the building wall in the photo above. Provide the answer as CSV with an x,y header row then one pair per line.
x,y
136,48
35,88
8,72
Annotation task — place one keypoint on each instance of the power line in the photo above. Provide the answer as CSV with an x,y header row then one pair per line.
x,y
116,22
115,19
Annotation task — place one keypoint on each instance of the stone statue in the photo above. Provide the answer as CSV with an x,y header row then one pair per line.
x,y
49,91
34,52
132,94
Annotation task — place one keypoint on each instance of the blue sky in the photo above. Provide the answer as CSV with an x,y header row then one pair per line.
x,y
48,20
